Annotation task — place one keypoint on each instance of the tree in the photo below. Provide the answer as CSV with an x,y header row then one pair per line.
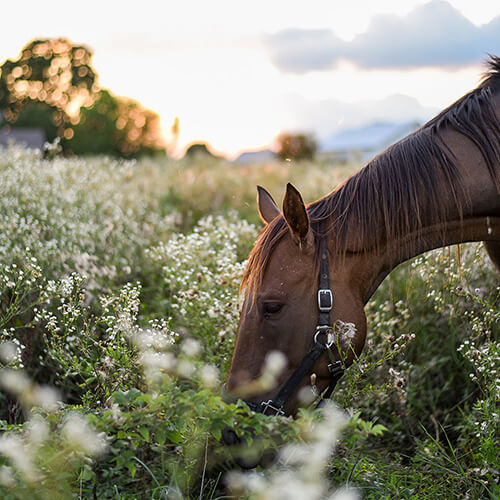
x,y
199,149
49,81
44,116
52,85
296,146
117,126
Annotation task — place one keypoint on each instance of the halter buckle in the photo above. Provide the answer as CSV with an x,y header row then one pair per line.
x,y
336,370
270,405
325,300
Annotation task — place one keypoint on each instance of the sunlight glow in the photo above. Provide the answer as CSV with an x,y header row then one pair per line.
x,y
208,64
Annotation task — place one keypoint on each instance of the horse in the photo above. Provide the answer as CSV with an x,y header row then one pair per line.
x,y
437,187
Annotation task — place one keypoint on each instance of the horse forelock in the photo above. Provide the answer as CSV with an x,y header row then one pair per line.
x,y
259,257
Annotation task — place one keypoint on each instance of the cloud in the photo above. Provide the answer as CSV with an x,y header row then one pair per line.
x,y
433,35
326,117
299,50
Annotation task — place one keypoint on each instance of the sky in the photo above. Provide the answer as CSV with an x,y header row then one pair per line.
x,y
237,73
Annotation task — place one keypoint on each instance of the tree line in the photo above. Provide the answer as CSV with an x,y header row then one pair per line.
x,y
53,86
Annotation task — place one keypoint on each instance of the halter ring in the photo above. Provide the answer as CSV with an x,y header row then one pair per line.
x,y
325,329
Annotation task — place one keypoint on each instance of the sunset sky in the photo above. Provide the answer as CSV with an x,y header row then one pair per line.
x,y
237,73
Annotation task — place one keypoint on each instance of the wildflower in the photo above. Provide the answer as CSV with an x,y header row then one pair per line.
x,y
9,352
274,364
346,332
7,476
15,381
12,447
37,430
158,360
46,397
345,494
191,347
81,437
185,368
209,376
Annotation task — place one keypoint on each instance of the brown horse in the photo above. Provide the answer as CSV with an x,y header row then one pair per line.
x,y
438,186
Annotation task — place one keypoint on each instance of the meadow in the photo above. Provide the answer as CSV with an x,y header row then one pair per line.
x,y
118,310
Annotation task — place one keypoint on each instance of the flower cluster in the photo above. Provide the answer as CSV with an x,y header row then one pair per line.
x,y
202,271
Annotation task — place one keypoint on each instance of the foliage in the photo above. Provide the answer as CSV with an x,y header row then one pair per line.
x,y
198,149
54,71
47,81
41,115
296,146
118,308
116,126
52,85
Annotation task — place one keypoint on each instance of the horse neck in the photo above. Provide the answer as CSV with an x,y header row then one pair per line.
x,y
375,267
475,218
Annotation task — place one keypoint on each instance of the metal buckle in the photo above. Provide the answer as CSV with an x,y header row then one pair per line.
x,y
336,370
325,299
328,331
270,405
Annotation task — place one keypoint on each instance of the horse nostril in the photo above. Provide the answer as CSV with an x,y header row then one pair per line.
x,y
247,457
229,436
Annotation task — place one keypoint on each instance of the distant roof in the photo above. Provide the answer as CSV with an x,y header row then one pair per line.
x,y
260,156
30,137
373,137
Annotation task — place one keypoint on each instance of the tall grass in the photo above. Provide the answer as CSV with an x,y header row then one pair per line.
x,y
118,309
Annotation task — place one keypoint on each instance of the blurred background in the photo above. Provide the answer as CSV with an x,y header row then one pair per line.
x,y
241,81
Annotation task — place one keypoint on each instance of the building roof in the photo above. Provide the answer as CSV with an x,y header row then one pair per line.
x,y
370,138
259,156
30,137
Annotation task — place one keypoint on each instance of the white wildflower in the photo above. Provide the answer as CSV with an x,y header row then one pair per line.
x,y
185,368
346,332
46,397
37,430
13,448
158,360
7,476
9,352
191,347
81,437
345,494
15,381
209,376
274,364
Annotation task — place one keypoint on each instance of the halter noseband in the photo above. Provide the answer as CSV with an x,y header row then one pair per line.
x,y
324,327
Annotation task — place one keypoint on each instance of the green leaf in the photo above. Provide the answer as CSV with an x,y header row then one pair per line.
x,y
119,398
378,429
174,437
144,431
132,468
161,436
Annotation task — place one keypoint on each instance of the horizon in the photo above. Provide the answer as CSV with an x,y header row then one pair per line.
x,y
236,76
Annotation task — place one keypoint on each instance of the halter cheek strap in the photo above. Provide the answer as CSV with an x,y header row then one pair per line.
x,y
324,327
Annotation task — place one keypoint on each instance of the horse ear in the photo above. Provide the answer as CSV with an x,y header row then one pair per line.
x,y
295,214
268,209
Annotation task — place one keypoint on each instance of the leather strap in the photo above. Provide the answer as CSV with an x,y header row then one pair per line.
x,y
324,326
325,296
295,379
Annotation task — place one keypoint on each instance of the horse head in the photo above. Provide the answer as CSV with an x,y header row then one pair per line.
x,y
280,307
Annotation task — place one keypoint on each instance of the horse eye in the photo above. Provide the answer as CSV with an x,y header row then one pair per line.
x,y
270,308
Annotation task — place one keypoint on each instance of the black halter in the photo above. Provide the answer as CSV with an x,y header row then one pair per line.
x,y
324,328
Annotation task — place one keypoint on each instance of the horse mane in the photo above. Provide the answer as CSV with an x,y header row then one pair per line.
x,y
389,193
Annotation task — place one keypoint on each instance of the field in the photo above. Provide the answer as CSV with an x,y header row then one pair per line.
x,y
118,310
